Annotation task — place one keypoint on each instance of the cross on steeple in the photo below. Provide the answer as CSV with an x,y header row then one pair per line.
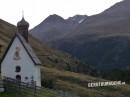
x,y
22,13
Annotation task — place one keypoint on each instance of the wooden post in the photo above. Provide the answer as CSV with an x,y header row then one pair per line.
x,y
1,49
1,86
35,88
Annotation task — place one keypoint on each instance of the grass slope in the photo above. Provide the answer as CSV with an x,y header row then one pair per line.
x,y
30,93
77,83
45,93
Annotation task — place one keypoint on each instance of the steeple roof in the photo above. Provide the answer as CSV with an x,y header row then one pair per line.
x,y
23,22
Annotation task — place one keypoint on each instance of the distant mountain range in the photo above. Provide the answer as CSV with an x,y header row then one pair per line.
x,y
55,27
102,40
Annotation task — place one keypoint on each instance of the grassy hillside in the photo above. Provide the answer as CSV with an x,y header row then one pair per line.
x,y
77,83
15,91
54,74
28,93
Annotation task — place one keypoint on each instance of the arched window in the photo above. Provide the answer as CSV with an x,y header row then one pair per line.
x,y
18,69
18,77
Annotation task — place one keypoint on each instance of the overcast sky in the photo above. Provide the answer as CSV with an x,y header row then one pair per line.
x,y
35,11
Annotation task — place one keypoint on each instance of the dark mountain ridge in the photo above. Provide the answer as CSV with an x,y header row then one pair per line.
x,y
55,27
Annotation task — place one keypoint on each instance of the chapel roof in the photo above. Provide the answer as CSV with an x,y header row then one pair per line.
x,y
27,47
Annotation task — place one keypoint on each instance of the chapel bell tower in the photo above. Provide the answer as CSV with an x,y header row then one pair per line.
x,y
22,27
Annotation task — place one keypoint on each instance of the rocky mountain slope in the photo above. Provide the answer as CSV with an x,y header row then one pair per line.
x,y
55,27
102,40
54,73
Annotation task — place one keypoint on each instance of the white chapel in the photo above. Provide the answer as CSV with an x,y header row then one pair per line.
x,y
19,60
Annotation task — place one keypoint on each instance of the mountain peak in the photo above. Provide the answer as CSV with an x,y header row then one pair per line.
x,y
54,18
77,18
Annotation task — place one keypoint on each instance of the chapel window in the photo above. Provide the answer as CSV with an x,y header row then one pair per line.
x,y
18,69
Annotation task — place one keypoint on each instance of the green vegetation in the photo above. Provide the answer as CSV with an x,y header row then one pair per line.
x,y
29,93
77,83
43,94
